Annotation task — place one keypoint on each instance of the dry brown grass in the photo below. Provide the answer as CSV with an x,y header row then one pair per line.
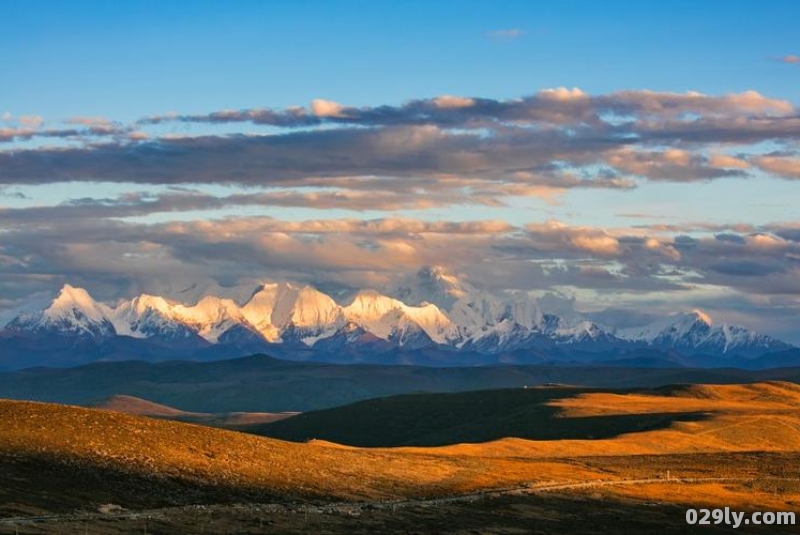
x,y
229,420
758,417
134,405
741,497
206,455
761,418
768,396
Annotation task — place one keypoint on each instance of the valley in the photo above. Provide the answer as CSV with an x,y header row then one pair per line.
x,y
260,383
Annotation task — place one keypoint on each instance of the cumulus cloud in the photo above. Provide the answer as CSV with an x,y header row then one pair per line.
x,y
674,105
784,166
554,234
563,94
551,135
327,108
41,250
449,101
675,165
241,248
725,161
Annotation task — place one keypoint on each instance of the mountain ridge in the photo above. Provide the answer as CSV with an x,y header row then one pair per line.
x,y
440,313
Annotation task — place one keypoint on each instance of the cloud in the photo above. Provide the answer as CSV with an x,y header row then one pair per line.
x,y
745,268
602,245
676,165
5,192
420,155
424,161
449,101
725,161
23,133
557,106
564,94
791,59
662,247
46,246
674,105
31,121
550,136
556,234
763,241
89,121
240,249
784,166
327,108
510,33
31,129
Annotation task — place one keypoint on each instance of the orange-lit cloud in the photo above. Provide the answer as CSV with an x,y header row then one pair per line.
x,y
326,108
783,166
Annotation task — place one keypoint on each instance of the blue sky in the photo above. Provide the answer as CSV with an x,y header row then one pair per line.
x,y
130,59
575,124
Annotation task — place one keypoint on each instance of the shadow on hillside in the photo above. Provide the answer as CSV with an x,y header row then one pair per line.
x,y
443,419
34,484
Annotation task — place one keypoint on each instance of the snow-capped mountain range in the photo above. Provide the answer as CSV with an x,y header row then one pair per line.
x,y
432,310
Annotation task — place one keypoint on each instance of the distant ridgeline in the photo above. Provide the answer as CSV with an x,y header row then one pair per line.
x,y
432,319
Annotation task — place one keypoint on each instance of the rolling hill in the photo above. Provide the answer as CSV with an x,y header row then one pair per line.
x,y
555,414
597,451
68,453
228,420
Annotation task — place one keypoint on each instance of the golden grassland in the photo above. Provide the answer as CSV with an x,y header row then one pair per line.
x,y
738,418
231,420
750,432
137,445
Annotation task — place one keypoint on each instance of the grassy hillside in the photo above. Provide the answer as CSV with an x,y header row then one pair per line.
x,y
482,416
143,407
533,413
228,420
56,458
263,384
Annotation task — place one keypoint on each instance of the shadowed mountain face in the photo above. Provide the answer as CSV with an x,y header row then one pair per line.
x,y
483,416
264,384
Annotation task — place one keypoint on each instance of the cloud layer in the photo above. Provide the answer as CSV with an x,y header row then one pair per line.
x,y
430,156
551,137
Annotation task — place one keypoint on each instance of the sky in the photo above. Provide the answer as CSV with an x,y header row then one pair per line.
x,y
622,158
